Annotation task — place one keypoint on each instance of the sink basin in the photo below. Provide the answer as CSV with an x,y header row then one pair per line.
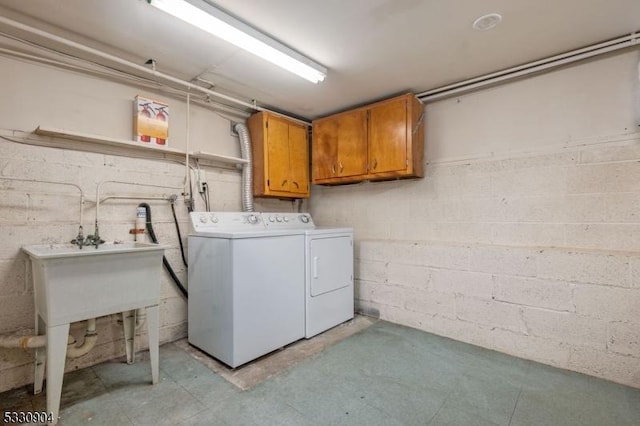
x,y
73,284
48,251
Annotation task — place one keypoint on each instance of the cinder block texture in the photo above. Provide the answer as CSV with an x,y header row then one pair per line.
x,y
623,338
45,213
555,306
535,256
526,291
42,212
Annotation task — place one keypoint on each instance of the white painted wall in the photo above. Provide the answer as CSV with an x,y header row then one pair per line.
x,y
32,95
575,105
528,246
524,236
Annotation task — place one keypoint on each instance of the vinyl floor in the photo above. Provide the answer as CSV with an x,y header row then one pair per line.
x,y
385,374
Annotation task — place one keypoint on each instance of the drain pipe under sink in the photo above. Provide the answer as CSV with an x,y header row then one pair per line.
x,y
90,339
40,341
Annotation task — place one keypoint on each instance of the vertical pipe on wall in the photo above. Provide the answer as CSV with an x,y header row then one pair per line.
x,y
187,175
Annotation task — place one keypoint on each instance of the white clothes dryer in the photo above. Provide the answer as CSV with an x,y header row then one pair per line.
x,y
329,298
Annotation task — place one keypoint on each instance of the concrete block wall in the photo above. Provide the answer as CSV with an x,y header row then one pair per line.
x,y
524,235
511,264
37,213
587,323
42,213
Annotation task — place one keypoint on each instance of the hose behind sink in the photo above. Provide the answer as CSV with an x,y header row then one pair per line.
x,y
165,262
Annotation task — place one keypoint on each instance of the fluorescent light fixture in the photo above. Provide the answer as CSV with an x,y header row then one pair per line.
x,y
220,24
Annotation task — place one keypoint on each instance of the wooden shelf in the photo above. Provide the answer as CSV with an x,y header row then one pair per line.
x,y
218,158
133,145
87,137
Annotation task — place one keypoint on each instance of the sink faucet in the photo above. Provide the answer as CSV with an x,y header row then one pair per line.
x,y
79,239
90,240
95,240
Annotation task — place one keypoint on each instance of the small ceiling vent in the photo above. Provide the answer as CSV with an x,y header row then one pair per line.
x,y
487,22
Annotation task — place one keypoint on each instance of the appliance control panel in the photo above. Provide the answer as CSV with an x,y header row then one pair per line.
x,y
223,221
249,221
288,221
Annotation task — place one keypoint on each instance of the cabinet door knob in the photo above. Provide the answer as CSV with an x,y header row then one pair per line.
x,y
333,169
375,163
284,182
341,167
296,184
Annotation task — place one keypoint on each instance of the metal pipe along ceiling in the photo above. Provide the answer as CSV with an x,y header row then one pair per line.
x,y
157,74
624,42
632,40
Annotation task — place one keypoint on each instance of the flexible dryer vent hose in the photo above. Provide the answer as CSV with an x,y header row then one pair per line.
x,y
247,173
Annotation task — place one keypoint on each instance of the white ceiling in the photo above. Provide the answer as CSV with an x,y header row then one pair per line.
x,y
372,48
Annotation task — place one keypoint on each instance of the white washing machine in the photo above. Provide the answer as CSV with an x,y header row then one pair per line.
x,y
246,284
329,298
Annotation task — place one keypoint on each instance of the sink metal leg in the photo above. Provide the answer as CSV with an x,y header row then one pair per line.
x,y
41,357
153,330
129,326
56,353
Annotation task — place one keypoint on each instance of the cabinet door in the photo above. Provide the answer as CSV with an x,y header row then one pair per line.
x,y
298,159
278,176
324,149
340,146
388,137
352,144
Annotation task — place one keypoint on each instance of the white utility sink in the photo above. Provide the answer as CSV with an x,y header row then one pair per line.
x,y
73,284
66,250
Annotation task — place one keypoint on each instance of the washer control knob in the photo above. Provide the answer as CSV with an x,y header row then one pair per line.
x,y
203,219
252,219
304,218
214,218
279,218
271,219
286,219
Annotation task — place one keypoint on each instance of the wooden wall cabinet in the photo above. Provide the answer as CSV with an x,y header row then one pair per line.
x,y
280,149
340,147
381,141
